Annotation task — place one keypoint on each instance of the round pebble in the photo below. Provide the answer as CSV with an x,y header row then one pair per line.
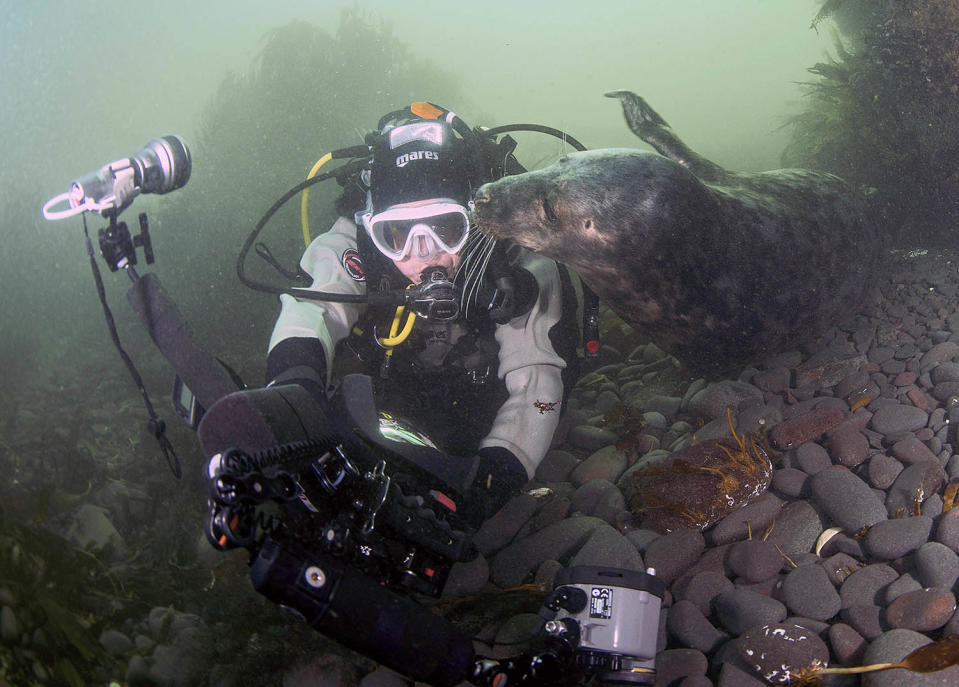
x,y
923,610
778,652
846,499
811,458
865,585
895,645
692,629
889,539
740,609
883,470
847,645
896,418
947,530
807,591
754,560
937,565
848,446
703,587
673,553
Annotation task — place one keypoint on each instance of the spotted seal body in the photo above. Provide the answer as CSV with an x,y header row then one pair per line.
x,y
719,268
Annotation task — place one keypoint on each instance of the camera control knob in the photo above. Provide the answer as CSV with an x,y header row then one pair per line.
x,y
314,576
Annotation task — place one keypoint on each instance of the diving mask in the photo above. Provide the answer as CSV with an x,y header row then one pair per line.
x,y
420,230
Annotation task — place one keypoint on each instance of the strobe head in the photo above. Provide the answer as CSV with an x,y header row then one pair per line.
x,y
612,617
161,166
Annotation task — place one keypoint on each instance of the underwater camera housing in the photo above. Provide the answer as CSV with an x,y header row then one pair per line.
x,y
609,617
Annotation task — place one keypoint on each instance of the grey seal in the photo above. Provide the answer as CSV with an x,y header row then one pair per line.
x,y
719,268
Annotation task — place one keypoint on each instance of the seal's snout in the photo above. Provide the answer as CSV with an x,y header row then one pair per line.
x,y
482,195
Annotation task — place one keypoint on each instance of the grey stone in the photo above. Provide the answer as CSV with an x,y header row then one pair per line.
x,y
846,499
808,591
889,539
937,565
606,546
513,564
740,609
895,645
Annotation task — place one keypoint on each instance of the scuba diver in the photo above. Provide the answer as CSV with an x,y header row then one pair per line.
x,y
483,369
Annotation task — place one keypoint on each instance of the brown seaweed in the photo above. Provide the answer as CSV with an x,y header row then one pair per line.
x,y
703,482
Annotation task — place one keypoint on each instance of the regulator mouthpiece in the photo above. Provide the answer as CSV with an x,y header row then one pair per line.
x,y
161,166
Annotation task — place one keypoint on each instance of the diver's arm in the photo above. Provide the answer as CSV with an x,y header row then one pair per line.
x,y
532,370
302,322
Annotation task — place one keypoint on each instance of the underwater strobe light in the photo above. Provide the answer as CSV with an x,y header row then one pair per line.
x,y
161,166
611,617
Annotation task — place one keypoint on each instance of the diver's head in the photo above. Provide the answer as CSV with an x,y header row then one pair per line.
x,y
416,212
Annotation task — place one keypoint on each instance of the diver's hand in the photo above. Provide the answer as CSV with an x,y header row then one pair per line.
x,y
499,476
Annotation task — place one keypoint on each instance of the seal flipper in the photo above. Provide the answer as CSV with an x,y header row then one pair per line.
x,y
646,123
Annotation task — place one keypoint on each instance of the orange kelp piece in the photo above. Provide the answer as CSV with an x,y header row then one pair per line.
x,y
702,483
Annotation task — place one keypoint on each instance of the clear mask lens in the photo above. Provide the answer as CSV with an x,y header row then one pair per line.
x,y
419,231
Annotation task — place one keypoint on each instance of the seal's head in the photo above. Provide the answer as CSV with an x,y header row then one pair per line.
x,y
589,208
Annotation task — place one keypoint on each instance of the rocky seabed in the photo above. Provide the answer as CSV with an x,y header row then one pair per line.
x,y
854,546
855,541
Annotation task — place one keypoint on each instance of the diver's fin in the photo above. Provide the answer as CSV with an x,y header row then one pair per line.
x,y
646,123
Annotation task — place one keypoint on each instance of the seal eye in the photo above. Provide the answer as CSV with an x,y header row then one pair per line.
x,y
548,210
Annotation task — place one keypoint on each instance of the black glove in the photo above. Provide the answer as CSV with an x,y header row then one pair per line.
x,y
499,477
299,360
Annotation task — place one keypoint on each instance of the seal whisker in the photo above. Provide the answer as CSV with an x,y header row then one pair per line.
x,y
478,258
476,271
472,259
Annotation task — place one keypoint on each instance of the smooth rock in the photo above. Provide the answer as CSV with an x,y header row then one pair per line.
x,y
846,499
847,645
790,482
797,430
692,629
556,466
937,565
912,485
866,585
754,560
673,553
889,539
607,463
778,651
896,418
892,647
754,517
883,470
608,547
947,529
591,438
712,402
848,446
807,591
923,610
510,567
703,587
866,619
674,664
499,530
812,458
796,529
740,609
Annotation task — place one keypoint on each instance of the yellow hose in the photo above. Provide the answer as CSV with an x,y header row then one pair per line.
x,y
395,339
304,201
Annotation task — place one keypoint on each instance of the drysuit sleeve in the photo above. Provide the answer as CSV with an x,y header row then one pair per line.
x,y
334,264
532,371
